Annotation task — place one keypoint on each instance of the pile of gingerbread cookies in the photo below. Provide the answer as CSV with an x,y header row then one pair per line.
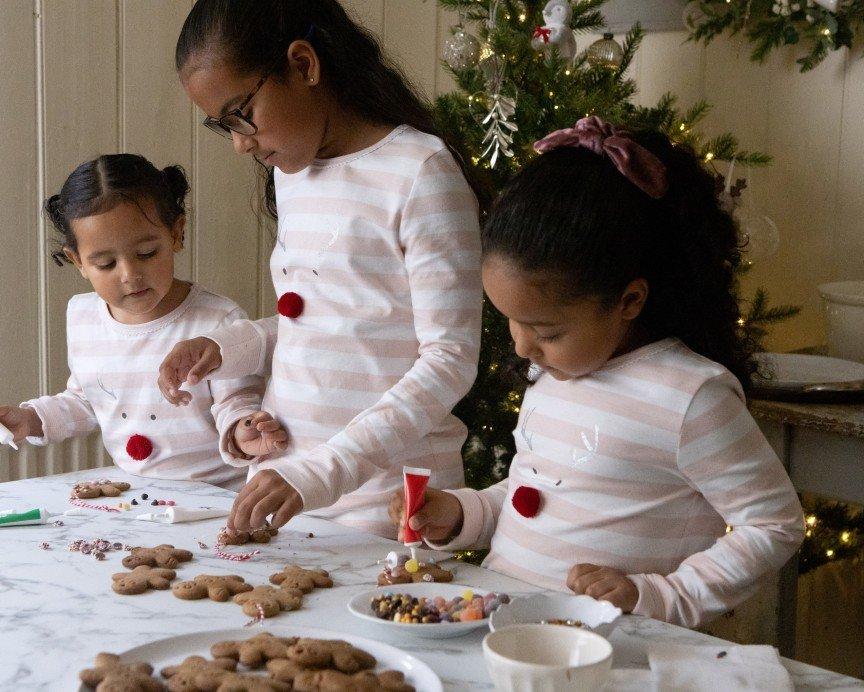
x,y
292,663
155,568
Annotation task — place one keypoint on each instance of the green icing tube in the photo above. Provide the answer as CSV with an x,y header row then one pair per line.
x,y
31,516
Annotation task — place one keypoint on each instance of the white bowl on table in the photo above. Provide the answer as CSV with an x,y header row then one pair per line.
x,y
599,616
361,606
844,307
546,658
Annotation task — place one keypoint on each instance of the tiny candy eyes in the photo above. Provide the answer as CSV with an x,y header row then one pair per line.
x,y
284,271
123,415
152,416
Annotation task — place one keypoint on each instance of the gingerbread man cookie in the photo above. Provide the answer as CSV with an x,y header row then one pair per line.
x,y
271,600
284,669
225,681
259,535
110,674
182,677
161,556
424,572
294,577
334,681
141,579
327,653
87,490
215,588
254,652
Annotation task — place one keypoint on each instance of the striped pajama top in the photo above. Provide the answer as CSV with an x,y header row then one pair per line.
x,y
383,247
641,465
112,386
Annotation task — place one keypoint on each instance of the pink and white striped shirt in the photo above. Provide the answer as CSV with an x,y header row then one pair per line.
x,y
640,467
383,246
112,386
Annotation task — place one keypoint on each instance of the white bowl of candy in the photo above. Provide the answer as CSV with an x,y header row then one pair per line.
x,y
557,609
428,611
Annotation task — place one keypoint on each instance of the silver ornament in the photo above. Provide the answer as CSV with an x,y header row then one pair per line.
x,y
461,50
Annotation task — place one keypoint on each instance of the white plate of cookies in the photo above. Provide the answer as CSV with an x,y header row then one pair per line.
x,y
427,610
284,658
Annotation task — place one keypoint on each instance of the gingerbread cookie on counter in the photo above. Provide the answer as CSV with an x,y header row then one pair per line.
x,y
400,568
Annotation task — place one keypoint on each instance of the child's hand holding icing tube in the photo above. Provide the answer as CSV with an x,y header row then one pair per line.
x,y
424,513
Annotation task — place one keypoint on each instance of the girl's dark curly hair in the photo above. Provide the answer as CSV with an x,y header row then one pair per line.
x,y
97,186
571,215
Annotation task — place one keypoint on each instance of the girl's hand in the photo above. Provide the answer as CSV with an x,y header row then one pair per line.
x,y
189,361
22,422
604,583
438,520
267,493
260,434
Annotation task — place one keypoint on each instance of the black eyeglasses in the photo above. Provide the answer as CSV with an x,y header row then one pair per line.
x,y
235,121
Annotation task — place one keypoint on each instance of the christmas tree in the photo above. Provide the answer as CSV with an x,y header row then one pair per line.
x,y
519,77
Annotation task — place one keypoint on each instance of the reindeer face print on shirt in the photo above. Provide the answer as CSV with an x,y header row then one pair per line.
x,y
531,482
139,445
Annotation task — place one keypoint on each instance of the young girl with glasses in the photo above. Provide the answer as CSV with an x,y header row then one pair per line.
x,y
615,265
121,221
376,261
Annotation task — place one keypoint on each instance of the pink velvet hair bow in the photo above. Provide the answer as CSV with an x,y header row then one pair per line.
x,y
634,161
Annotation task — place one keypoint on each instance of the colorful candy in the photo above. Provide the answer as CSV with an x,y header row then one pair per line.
x,y
416,610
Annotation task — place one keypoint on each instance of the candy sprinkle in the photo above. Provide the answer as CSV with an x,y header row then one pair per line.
x,y
45,546
412,566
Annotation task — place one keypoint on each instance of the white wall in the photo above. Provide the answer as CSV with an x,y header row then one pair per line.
x,y
85,77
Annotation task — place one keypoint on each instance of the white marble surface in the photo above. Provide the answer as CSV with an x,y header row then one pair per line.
x,y
57,609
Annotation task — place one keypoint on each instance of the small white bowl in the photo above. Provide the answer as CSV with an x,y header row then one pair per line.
x,y
600,616
844,308
546,658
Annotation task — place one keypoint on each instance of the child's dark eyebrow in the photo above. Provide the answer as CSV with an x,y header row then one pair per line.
x,y
97,255
235,101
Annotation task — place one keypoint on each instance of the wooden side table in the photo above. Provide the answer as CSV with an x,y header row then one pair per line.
x,y
822,448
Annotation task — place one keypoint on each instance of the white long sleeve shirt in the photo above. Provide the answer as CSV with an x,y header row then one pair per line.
x,y
640,466
112,386
383,247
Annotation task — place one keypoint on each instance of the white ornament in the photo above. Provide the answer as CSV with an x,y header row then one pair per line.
x,y
461,50
830,5
556,31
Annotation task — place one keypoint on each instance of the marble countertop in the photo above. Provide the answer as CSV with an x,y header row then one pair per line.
x,y
839,419
58,610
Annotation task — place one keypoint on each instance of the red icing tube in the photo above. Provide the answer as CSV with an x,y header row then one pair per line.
x,y
416,481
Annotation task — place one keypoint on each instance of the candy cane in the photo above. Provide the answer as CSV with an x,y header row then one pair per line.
x,y
257,619
86,505
237,557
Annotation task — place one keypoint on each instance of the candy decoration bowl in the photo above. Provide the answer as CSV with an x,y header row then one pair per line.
x,y
598,616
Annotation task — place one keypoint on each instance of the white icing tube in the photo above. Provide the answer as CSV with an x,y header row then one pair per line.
x,y
6,437
177,515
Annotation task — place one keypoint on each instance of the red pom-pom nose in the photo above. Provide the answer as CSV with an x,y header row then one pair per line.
x,y
290,305
139,447
526,501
